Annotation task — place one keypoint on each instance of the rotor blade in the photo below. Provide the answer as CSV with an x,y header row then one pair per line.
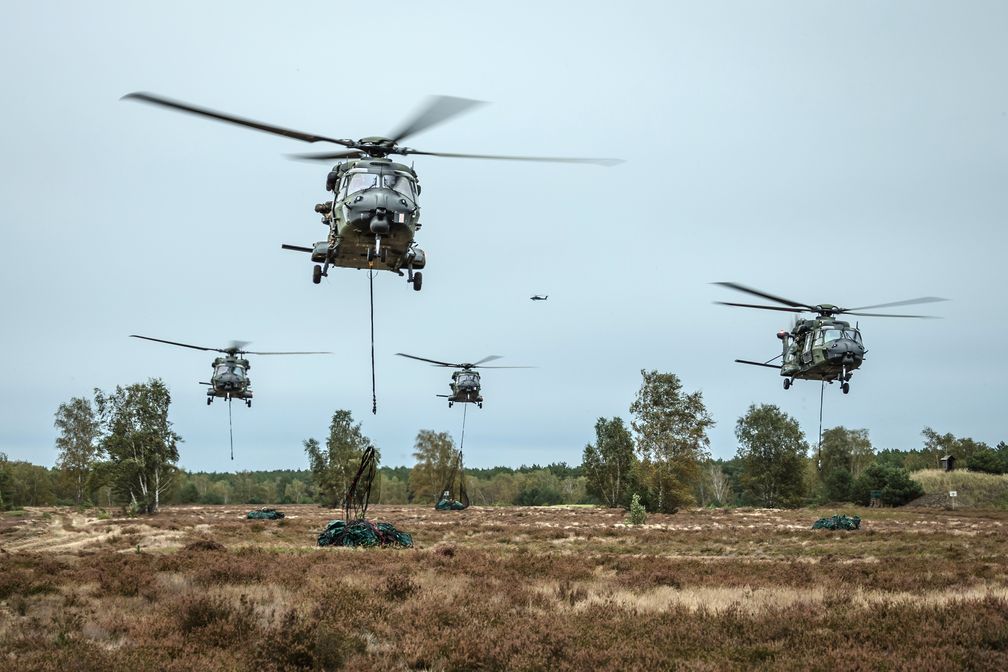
x,y
183,345
504,157
251,352
770,297
489,358
236,346
438,109
504,367
155,99
753,305
431,361
908,302
746,361
919,317
328,156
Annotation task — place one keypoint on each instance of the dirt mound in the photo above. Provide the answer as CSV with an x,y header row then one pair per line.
x,y
205,545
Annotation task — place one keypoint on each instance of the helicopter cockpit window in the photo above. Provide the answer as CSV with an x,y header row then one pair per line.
x,y
467,379
238,371
361,181
399,183
855,334
831,335
223,369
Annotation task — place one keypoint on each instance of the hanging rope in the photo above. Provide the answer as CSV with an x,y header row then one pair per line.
x,y
374,395
822,390
465,407
230,428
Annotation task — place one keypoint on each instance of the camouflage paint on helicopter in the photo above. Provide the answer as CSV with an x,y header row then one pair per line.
x,y
373,214
230,373
465,385
822,348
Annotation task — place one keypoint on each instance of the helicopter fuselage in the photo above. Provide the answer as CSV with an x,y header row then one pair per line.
x,y
821,349
230,379
465,387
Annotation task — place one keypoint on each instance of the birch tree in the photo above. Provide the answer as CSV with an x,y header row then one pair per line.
x,y
609,462
77,443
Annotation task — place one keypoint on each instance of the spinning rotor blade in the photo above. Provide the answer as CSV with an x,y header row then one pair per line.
x,y
503,157
231,119
236,346
250,352
431,361
770,297
183,345
437,110
489,358
328,156
920,317
753,305
908,302
504,367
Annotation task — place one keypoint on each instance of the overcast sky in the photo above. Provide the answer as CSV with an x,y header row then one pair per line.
x,y
850,153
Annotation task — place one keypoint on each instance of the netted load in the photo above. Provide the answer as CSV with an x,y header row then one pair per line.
x,y
454,483
265,514
838,523
363,533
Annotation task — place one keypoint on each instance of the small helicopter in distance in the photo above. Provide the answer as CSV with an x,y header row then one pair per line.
x,y
373,214
230,373
465,385
536,297
822,348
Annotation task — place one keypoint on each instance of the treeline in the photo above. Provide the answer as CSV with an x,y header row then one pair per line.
x,y
119,449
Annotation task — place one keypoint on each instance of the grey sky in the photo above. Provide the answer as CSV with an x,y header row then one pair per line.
x,y
851,153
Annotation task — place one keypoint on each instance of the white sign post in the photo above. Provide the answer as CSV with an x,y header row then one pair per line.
x,y
953,494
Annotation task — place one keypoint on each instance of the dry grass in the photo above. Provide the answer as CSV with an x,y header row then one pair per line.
x,y
973,489
509,588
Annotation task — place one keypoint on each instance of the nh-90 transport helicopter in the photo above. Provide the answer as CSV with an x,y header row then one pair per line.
x,y
465,385
822,348
539,297
230,373
374,213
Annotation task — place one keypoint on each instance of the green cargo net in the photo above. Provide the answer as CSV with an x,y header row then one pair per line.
x,y
363,533
265,514
448,501
837,523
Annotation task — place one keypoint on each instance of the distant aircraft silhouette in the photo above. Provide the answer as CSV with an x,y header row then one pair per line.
x,y
536,297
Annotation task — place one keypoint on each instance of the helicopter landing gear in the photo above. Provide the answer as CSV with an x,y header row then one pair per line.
x,y
248,403
480,404
787,383
316,276
417,281
377,252
209,400
450,404
845,388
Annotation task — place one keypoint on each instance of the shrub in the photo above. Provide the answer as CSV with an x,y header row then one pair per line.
x,y
895,484
637,512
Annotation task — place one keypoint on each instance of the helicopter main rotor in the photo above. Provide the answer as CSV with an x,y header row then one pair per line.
x,y
437,110
823,309
465,365
235,348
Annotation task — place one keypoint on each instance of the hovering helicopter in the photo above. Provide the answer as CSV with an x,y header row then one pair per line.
x,y
536,297
822,348
230,373
465,385
374,212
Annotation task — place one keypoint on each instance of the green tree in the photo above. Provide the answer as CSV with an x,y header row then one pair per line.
x,y
772,450
4,478
843,456
937,446
671,430
609,462
435,456
77,442
894,483
334,466
139,440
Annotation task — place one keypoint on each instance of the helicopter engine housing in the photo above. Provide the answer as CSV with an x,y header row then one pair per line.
x,y
416,258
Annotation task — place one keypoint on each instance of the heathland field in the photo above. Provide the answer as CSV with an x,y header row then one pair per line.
x,y
201,588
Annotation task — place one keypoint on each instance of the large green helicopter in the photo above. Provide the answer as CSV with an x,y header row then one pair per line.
x,y
374,211
465,385
230,373
822,348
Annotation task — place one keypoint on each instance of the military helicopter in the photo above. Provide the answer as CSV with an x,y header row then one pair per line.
x,y
230,373
822,348
465,385
374,212
537,297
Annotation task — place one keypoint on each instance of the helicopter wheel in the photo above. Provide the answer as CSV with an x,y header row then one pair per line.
x,y
845,388
316,275
209,400
248,403
480,404
449,404
417,281
787,383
